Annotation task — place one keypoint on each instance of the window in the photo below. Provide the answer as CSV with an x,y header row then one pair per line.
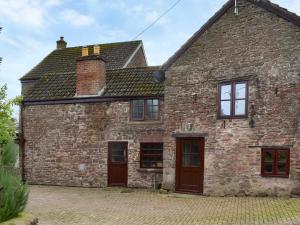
x,y
233,98
117,152
145,109
151,155
191,154
275,163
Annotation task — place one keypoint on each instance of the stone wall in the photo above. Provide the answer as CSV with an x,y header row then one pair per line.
x,y
263,49
67,144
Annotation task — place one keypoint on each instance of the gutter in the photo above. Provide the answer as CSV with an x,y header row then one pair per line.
x,y
87,100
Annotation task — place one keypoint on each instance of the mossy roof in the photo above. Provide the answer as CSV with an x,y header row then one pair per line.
x,y
64,60
128,82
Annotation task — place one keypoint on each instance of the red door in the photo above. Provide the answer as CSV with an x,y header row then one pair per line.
x,y
190,165
117,164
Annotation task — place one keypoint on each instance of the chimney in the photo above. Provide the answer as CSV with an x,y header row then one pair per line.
x,y
61,44
91,72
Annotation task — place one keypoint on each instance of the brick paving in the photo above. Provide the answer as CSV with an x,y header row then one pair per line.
x,y
113,206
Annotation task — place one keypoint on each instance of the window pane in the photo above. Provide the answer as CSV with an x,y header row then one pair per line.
x,y
195,160
240,107
268,167
225,92
240,90
282,156
186,148
152,108
225,108
281,168
195,148
269,156
137,109
118,152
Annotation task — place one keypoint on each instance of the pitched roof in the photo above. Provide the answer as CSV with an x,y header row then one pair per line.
x,y
265,4
130,82
133,82
64,60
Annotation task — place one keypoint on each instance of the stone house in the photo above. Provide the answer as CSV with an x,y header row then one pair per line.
x,y
220,117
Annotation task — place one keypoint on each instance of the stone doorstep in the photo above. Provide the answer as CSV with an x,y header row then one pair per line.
x,y
22,219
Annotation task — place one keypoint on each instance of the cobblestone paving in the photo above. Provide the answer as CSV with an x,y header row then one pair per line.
x,y
60,205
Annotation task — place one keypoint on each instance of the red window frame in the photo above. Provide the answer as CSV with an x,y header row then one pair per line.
x,y
232,100
275,162
145,111
143,154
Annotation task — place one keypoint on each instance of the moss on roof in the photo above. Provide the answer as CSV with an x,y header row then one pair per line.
x,y
120,82
64,60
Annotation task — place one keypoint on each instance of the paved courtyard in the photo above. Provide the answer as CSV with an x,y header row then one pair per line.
x,y
60,205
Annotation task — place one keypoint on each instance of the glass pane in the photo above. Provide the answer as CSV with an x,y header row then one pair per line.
x,y
195,148
186,148
138,109
137,103
269,156
240,90
240,107
118,152
281,168
225,108
282,156
195,160
268,167
225,92
155,101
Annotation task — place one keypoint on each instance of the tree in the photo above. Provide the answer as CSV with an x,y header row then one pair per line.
x,y
0,57
7,124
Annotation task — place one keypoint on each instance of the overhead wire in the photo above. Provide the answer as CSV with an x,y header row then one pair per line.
x,y
157,19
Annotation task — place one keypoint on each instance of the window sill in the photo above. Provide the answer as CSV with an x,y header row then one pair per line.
x,y
150,170
232,117
275,176
143,122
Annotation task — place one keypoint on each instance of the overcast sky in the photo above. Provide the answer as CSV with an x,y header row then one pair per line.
x,y
31,28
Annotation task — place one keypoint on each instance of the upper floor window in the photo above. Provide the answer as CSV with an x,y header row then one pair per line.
x,y
145,109
233,100
275,162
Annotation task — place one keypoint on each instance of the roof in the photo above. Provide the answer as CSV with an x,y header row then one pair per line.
x,y
265,4
128,82
62,61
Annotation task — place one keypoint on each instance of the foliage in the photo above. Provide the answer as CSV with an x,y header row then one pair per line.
x,y
7,124
9,154
13,196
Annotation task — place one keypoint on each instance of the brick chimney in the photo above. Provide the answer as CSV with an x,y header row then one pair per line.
x,y
91,72
61,43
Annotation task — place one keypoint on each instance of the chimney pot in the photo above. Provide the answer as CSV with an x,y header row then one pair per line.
x,y
61,43
97,49
85,51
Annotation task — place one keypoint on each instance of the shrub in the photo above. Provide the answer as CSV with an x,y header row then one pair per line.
x,y
13,195
9,154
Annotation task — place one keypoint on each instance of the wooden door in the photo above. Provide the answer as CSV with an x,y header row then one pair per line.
x,y
117,163
190,165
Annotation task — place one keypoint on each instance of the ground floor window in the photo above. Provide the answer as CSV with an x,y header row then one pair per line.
x,y
151,155
275,162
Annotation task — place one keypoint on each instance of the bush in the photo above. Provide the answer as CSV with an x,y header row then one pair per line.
x,y
13,195
9,154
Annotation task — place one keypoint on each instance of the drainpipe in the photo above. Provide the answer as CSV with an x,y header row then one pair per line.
x,y
22,143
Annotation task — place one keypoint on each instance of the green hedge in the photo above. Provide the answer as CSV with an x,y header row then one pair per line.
x,y
13,195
